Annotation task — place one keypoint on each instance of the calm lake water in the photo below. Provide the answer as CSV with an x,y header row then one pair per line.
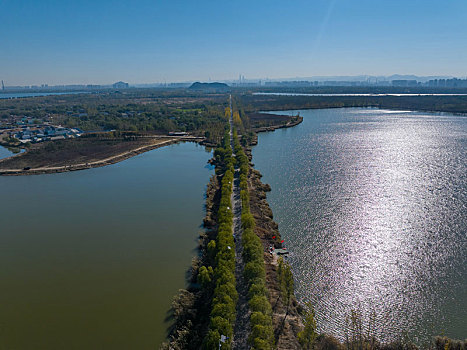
x,y
373,206
91,259
5,152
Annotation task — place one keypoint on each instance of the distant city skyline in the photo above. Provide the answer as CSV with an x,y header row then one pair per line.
x,y
87,42
371,80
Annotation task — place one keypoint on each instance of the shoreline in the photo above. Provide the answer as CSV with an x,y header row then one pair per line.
x,y
126,155
89,165
191,306
391,108
290,124
281,126
297,316
287,320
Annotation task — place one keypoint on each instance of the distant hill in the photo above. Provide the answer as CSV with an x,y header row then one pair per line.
x,y
209,86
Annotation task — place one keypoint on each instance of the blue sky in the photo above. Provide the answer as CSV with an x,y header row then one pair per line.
x,y
100,41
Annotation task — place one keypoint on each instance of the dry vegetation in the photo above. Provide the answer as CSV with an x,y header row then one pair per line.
x,y
80,153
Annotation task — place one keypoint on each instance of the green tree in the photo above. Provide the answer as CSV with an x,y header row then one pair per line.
x,y
308,335
212,251
205,276
286,282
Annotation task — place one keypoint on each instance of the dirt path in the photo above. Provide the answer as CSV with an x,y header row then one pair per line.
x,y
242,322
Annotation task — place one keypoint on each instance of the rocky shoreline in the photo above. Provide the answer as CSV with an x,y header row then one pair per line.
x,y
287,323
189,313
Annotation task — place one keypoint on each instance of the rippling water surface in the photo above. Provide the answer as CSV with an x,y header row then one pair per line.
x,y
373,205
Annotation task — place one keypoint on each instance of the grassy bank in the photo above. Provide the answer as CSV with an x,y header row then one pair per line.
x,y
451,104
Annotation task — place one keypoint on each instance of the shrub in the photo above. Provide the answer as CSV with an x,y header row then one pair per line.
x,y
205,276
254,269
260,303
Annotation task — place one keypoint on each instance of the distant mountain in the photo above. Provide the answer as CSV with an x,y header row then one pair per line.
x,y
209,86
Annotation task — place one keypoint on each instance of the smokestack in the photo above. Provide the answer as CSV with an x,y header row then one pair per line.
x,y
3,86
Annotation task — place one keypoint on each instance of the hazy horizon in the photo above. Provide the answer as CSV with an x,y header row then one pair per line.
x,y
57,43
342,78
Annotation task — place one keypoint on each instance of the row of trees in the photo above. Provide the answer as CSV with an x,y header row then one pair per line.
x,y
453,104
219,276
240,118
222,256
262,331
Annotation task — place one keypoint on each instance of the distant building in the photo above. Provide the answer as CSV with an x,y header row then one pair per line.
x,y
455,83
120,85
404,83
